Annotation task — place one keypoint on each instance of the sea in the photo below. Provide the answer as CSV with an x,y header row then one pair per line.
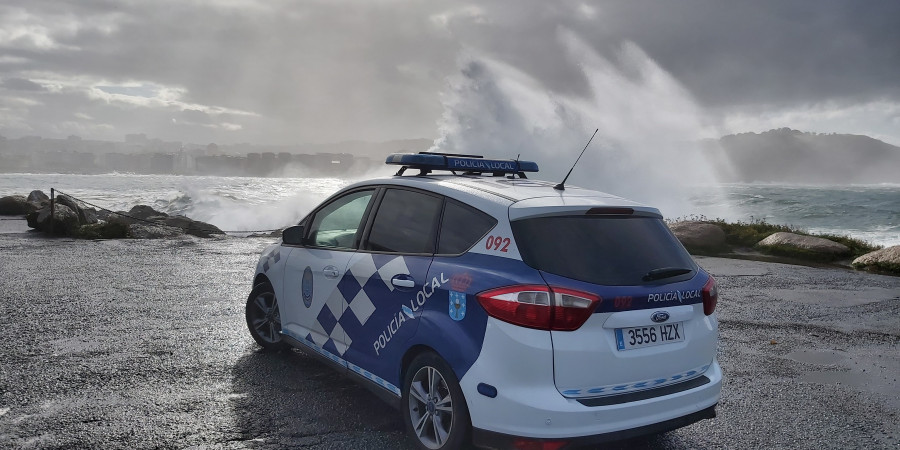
x,y
244,205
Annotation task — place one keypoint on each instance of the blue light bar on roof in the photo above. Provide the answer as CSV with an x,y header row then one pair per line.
x,y
433,161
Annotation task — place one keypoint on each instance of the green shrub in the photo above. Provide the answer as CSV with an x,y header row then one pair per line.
x,y
746,234
858,247
880,267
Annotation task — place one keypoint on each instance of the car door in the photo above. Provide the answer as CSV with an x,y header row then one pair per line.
x,y
385,285
313,305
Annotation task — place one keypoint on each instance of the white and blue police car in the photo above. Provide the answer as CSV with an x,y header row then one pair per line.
x,y
494,309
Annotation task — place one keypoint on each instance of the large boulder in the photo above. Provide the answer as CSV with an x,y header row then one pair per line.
x,y
884,260
83,217
37,197
193,227
699,235
790,244
147,231
145,212
64,220
102,230
37,200
14,205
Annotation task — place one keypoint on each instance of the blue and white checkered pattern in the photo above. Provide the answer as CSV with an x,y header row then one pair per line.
x,y
308,341
272,258
613,389
333,319
374,378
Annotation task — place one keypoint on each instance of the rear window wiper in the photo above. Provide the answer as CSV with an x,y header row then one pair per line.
x,y
665,272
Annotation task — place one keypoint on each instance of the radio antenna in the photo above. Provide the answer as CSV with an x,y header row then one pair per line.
x,y
562,186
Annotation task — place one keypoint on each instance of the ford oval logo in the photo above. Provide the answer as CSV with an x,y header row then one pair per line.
x,y
660,316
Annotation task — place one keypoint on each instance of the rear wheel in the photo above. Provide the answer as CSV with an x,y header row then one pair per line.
x,y
434,409
264,318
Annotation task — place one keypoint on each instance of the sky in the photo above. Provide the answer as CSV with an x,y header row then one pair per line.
x,y
316,71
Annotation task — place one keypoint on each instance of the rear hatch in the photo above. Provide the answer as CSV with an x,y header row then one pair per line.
x,y
649,328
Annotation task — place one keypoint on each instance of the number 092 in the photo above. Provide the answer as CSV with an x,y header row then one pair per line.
x,y
497,243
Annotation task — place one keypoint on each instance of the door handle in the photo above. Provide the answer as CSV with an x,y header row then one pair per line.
x,y
330,272
403,282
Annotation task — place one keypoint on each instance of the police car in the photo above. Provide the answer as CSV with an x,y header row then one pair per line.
x,y
493,309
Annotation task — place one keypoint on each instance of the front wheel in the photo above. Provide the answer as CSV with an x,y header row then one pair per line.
x,y
264,318
434,409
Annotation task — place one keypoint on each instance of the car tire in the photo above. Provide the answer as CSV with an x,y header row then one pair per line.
x,y
264,317
434,408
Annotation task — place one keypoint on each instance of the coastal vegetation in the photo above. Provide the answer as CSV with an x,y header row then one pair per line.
x,y
753,239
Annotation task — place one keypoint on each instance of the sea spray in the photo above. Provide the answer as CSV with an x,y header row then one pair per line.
x,y
648,123
869,212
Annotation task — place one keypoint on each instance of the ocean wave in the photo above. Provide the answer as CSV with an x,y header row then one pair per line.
x,y
870,212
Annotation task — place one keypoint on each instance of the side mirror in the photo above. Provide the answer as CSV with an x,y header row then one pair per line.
x,y
293,235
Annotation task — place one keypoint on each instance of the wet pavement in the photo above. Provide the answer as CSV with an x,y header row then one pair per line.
x,y
142,344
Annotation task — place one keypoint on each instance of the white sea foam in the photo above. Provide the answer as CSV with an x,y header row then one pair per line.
x,y
646,120
871,213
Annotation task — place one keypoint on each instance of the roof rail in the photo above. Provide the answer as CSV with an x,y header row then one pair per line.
x,y
427,162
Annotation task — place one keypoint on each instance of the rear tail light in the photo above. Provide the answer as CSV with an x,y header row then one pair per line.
x,y
540,307
710,296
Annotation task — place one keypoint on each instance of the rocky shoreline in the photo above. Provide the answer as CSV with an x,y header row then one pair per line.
x,y
67,217
706,238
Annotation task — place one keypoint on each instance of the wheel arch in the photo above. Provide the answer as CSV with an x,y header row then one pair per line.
x,y
260,279
410,355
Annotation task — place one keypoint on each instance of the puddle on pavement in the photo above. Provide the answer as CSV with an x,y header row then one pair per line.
x,y
823,357
879,386
856,370
836,297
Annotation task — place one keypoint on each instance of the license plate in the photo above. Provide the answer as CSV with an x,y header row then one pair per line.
x,y
639,337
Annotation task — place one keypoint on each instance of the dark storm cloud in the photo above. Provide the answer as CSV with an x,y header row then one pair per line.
x,y
771,51
725,52
285,71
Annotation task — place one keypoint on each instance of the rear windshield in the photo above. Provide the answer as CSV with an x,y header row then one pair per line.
x,y
607,250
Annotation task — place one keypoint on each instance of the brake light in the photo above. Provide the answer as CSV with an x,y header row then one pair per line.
x,y
540,307
710,296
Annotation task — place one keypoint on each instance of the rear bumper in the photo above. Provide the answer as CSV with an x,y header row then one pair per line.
x,y
519,364
491,439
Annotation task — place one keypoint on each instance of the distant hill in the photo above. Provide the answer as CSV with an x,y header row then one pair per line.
x,y
786,155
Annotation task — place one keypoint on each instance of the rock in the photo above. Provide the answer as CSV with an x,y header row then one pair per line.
x,y
14,205
31,218
193,227
65,200
37,200
147,231
65,220
90,216
104,214
145,212
38,197
102,230
791,244
699,235
884,260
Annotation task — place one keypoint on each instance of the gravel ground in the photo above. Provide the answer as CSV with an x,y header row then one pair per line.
x,y
142,344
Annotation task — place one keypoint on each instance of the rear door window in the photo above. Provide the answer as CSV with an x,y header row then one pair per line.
x,y
406,222
462,227
605,250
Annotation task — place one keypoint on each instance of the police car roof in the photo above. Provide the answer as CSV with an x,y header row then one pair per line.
x,y
523,197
